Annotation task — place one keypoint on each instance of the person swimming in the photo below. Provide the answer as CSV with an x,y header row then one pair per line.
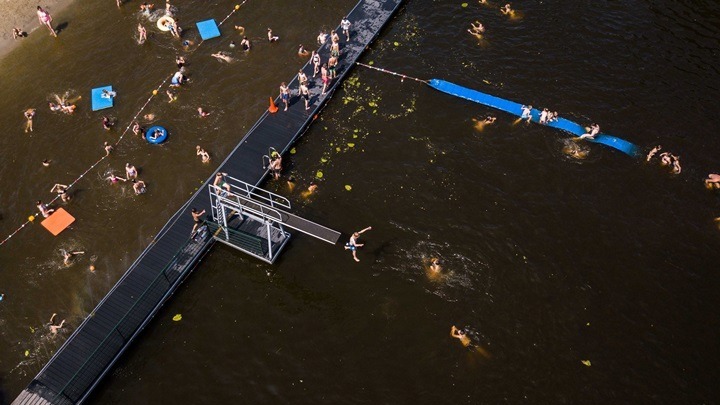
x,y
223,56
712,181
204,156
271,37
574,150
114,179
139,186
130,171
302,52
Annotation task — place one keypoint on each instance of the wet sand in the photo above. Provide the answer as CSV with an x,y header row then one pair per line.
x,y
22,14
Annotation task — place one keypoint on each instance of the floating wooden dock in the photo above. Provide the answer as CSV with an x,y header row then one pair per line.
x,y
90,352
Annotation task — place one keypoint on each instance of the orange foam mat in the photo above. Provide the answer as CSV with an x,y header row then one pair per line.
x,y
58,221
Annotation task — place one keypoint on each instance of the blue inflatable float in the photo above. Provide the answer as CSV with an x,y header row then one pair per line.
x,y
156,135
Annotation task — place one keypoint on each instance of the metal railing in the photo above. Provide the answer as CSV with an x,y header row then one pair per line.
x,y
126,328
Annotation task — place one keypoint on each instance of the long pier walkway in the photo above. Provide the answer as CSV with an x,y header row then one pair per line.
x,y
90,352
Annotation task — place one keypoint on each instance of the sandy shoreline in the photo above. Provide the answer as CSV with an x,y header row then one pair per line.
x,y
22,14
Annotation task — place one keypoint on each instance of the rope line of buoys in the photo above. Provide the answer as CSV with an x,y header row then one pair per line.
x,y
392,73
155,92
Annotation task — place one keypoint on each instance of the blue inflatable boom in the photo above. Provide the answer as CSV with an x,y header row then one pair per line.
x,y
516,109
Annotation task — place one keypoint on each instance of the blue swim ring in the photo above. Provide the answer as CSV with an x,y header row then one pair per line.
x,y
161,136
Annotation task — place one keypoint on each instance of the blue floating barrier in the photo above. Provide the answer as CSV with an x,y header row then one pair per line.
x,y
156,135
516,109
208,29
98,101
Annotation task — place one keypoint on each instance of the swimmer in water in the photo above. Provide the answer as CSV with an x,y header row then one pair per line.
x,y
460,334
29,114
476,28
594,130
67,256
435,265
204,156
291,183
136,128
302,52
712,181
61,190
271,37
507,10
240,29
574,150
171,96
310,190
149,117
17,33
676,165
246,45
106,123
480,125
139,186
114,179
46,162
202,113
653,152
43,208
223,57
179,61
130,171
108,148
142,34
54,328
353,244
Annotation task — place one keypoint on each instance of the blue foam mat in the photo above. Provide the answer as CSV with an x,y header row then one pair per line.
x,y
97,101
208,29
516,109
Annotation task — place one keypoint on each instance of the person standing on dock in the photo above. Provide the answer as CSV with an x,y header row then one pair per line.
x,y
285,94
316,61
325,78
353,244
46,20
345,25
197,219
305,94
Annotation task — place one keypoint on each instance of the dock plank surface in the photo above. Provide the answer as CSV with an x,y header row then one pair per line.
x,y
90,352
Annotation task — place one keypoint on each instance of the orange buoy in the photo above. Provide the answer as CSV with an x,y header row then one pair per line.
x,y
273,108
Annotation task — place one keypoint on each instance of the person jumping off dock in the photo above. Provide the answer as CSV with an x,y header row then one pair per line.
x,y
353,244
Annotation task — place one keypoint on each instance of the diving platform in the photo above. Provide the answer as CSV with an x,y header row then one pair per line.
x,y
253,220
260,227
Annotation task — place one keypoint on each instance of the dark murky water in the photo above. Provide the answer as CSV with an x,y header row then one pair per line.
x,y
548,260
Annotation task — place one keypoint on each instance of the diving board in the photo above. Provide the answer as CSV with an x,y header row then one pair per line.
x,y
516,109
208,29
98,101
